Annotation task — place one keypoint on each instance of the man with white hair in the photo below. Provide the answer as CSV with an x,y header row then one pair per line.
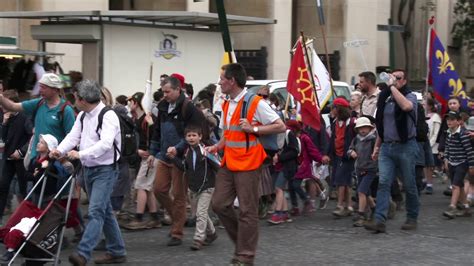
x,y
97,133
50,113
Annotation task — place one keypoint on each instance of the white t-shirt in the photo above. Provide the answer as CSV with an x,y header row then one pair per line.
x,y
264,114
434,124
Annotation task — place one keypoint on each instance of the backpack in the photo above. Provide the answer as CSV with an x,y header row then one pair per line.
x,y
297,139
129,134
269,142
422,129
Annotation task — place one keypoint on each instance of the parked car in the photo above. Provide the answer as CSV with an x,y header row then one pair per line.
x,y
279,88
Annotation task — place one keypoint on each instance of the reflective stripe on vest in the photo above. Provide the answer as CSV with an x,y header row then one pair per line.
x,y
241,144
243,151
233,128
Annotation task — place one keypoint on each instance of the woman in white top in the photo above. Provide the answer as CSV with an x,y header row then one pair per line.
x,y
434,125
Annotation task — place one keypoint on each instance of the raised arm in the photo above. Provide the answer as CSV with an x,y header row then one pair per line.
x,y
10,105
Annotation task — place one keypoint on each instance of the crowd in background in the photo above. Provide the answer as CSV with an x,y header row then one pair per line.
x,y
348,160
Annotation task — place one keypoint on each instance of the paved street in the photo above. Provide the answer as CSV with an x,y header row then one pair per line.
x,y
322,239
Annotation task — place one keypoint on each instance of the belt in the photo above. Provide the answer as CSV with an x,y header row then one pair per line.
x,y
397,141
393,142
97,166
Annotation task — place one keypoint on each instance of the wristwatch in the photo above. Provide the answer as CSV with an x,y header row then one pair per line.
x,y
255,129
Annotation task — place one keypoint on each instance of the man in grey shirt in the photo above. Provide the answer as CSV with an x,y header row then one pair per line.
x,y
395,120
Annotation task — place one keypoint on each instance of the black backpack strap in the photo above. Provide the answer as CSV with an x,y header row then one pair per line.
x,y
101,118
99,126
184,108
82,120
361,113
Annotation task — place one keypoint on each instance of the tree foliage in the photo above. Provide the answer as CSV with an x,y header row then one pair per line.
x,y
463,27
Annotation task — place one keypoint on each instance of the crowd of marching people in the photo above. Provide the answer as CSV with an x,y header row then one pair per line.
x,y
186,165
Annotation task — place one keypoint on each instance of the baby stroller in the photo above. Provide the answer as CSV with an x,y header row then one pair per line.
x,y
43,242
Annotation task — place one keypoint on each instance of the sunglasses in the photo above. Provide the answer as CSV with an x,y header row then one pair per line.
x,y
264,96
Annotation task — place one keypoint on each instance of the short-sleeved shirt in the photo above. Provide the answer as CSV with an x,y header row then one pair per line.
x,y
390,132
48,120
264,113
369,103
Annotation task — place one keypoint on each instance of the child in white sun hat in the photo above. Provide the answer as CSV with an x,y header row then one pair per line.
x,y
361,150
57,171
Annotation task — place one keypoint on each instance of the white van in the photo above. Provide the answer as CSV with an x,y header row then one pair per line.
x,y
278,87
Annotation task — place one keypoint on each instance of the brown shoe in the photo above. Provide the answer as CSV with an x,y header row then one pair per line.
x,y
153,224
410,224
210,238
375,227
77,260
109,259
463,213
197,245
136,225
341,212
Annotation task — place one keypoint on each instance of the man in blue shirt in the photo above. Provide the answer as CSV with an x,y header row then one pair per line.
x,y
51,116
396,127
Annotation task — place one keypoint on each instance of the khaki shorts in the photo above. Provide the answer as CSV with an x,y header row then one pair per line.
x,y
146,176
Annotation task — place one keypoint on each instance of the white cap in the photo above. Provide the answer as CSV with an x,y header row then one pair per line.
x,y
363,122
50,140
51,80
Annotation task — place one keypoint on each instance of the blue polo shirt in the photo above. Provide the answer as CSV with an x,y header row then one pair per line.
x,y
48,120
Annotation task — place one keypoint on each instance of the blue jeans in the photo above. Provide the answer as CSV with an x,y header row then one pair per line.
x,y
99,182
294,187
393,157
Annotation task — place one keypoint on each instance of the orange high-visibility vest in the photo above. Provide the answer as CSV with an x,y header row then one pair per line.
x,y
242,151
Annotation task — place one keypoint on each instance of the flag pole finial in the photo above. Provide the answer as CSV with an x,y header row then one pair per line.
x,y
432,20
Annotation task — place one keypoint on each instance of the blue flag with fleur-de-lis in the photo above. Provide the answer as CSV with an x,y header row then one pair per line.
x,y
443,76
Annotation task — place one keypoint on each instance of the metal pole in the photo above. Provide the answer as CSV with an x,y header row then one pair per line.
x,y
72,183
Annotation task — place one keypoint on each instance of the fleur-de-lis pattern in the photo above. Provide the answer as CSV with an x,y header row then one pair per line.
x,y
445,62
458,91
444,78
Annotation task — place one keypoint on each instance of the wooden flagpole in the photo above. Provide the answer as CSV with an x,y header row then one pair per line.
x,y
310,68
319,6
287,104
151,71
428,53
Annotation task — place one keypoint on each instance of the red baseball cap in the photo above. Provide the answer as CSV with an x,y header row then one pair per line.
x,y
293,125
179,77
341,102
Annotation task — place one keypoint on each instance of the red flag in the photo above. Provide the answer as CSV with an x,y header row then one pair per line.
x,y
300,86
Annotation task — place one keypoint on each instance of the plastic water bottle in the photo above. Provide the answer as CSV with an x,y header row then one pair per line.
x,y
384,76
